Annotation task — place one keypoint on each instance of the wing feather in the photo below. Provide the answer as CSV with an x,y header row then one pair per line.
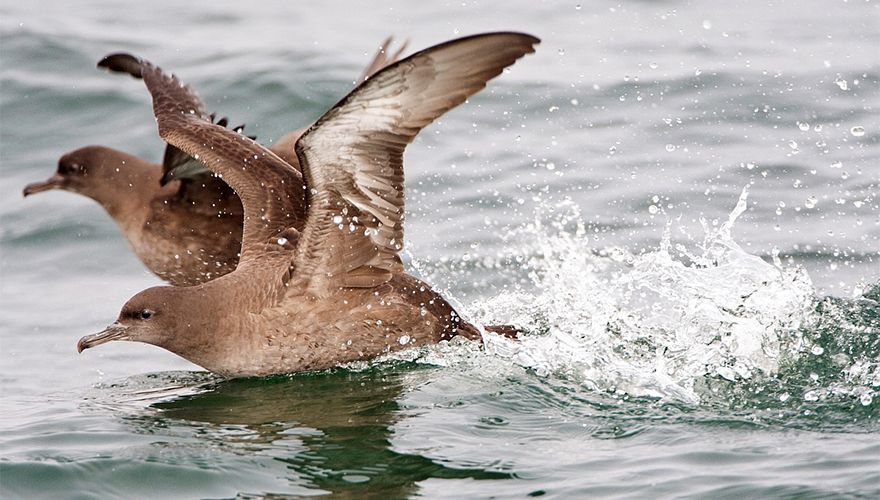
x,y
352,158
271,191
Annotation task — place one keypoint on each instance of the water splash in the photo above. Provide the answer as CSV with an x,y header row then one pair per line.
x,y
677,322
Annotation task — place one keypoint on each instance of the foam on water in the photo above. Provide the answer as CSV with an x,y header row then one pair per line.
x,y
658,323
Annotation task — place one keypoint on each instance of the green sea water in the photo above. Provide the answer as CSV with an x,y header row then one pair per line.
x,y
679,202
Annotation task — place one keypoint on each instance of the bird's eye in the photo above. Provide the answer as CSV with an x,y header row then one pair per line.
x,y
145,314
68,168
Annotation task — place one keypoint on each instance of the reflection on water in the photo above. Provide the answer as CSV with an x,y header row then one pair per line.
x,y
332,430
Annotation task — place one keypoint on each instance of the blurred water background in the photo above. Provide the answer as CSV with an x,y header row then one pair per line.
x,y
678,200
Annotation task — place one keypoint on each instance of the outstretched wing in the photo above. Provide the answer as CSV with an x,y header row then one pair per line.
x,y
176,164
270,190
352,157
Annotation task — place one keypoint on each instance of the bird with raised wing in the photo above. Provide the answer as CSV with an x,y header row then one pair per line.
x,y
317,291
182,221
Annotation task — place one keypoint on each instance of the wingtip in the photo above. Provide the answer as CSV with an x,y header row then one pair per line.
x,y
525,37
386,42
122,63
167,177
519,42
535,40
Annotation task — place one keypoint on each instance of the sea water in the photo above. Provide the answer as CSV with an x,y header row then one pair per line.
x,y
677,202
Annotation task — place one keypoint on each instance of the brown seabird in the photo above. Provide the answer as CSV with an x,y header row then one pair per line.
x,y
311,293
182,222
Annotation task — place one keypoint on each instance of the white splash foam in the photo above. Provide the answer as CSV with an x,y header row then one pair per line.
x,y
652,324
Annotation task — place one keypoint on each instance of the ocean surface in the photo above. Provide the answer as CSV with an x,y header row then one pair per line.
x,y
678,201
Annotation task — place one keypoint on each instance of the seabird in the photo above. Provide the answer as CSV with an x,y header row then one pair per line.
x,y
313,292
182,222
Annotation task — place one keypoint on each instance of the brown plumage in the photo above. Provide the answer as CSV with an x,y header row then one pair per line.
x,y
311,293
187,228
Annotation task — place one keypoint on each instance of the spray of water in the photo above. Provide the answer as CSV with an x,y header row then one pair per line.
x,y
659,323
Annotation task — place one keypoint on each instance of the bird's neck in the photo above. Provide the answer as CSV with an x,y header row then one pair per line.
x,y
127,193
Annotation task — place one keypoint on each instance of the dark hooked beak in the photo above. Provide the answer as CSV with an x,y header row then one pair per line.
x,y
116,331
53,182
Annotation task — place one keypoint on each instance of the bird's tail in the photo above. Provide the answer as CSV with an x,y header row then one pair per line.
x,y
509,331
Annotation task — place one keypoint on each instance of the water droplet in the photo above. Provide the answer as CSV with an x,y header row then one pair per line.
x,y
282,241
670,147
793,144
866,399
653,65
653,209
857,131
707,24
784,397
698,72
404,339
811,396
561,52
577,7
836,164
841,83
817,350
804,126
811,203
337,219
